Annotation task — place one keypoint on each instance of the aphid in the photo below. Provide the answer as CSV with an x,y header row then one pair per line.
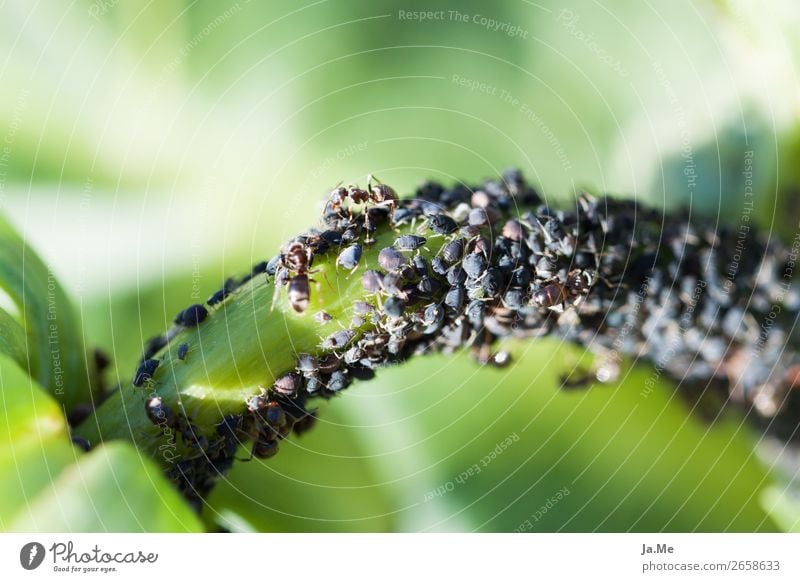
x,y
480,199
428,286
513,230
394,307
420,265
456,276
545,268
299,293
307,364
328,364
350,257
482,245
81,443
356,321
409,242
351,234
492,281
183,349
145,371
391,259
439,265
433,315
288,384
404,214
514,298
474,264
192,316
338,339
520,277
338,381
222,294
273,265
372,281
353,355
322,317
442,224
475,312
159,413
478,217
313,385
453,250
332,237
455,298
153,346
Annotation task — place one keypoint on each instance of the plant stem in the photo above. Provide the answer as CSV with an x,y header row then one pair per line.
x,y
495,262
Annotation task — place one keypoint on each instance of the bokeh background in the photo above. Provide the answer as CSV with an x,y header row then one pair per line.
x,y
150,149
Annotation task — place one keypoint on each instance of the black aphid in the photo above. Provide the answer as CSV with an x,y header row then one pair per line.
x,y
81,443
427,286
394,307
409,242
442,224
272,265
145,371
307,364
420,265
192,316
439,266
183,349
338,340
492,282
372,281
474,264
391,259
339,380
288,384
350,257
455,298
456,276
153,346
159,413
453,250
222,294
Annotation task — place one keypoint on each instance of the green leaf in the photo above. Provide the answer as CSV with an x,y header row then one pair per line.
x,y
12,338
112,489
49,485
53,352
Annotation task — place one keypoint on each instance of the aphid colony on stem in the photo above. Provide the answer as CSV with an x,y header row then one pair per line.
x,y
466,267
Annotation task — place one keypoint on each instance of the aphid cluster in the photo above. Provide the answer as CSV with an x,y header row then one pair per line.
x,y
607,274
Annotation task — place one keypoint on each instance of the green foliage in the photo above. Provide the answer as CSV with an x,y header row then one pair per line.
x,y
52,348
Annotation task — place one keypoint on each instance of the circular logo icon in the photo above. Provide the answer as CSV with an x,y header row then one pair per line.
x,y
31,555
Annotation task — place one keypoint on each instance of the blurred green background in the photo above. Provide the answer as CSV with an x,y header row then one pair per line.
x,y
150,149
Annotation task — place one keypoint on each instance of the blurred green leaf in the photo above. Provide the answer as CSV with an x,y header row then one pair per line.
x,y
48,485
111,489
54,347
